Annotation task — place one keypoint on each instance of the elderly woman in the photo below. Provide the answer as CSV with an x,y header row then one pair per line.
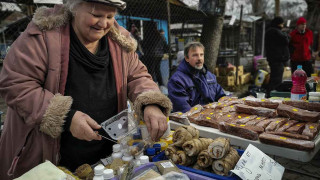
x,y
71,69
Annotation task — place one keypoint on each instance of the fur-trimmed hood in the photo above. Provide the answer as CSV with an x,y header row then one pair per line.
x,y
50,18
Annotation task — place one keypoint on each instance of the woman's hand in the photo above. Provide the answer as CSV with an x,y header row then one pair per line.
x,y
82,127
156,121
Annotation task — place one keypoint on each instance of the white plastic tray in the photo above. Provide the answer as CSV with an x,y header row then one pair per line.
x,y
303,156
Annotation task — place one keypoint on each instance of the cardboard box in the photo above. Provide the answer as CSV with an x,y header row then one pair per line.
x,y
216,71
245,79
240,70
286,73
226,80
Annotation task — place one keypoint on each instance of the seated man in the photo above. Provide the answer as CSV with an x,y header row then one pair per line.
x,y
192,83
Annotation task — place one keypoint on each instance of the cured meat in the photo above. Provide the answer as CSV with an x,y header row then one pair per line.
x,y
265,122
260,111
286,142
240,130
219,147
311,106
311,129
297,114
183,134
204,159
211,105
196,109
244,120
286,126
296,129
276,124
254,121
195,146
179,117
227,163
261,103
171,150
206,118
295,136
181,158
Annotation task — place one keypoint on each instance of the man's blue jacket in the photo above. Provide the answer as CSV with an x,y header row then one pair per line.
x,y
183,92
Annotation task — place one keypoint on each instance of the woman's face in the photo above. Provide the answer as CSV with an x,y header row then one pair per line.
x,y
92,21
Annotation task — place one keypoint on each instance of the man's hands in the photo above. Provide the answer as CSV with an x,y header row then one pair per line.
x,y
156,121
82,127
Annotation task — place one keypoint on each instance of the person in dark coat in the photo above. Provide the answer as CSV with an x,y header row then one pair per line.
x,y
277,52
192,83
300,45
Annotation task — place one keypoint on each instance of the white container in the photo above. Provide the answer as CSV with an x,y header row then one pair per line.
x,y
314,96
261,95
144,160
127,158
116,151
167,133
108,174
98,172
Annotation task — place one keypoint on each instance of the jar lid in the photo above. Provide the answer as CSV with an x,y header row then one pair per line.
x,y
151,151
98,170
144,159
314,93
127,158
108,174
116,147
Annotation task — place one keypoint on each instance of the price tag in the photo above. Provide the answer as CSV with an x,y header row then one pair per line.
x,y
254,164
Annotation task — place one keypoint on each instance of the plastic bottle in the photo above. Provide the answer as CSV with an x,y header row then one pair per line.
x,y
298,90
144,160
127,158
144,130
98,172
116,148
108,174
157,147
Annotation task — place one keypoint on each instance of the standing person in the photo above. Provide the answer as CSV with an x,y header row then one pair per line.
x,y
155,47
300,47
137,36
79,68
277,52
192,83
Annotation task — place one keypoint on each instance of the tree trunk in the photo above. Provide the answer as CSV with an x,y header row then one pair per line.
x,y
210,38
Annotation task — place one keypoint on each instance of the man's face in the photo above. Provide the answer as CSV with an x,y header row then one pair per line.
x,y
302,27
195,57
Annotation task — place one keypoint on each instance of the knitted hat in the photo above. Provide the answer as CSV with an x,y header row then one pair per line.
x,y
276,21
301,20
114,3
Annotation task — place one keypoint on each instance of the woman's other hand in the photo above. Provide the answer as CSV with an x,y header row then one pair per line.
x,y
82,127
156,121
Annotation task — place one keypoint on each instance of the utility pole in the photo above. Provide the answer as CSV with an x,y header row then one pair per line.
x,y
277,8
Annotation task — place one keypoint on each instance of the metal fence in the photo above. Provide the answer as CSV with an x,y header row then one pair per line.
x,y
161,27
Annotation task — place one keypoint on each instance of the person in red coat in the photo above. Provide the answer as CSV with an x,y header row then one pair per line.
x,y
300,47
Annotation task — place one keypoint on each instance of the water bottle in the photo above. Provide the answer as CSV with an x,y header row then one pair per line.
x,y
299,79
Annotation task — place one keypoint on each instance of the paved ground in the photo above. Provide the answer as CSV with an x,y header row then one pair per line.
x,y
295,170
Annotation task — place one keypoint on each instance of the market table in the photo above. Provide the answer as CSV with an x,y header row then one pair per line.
x,y
303,156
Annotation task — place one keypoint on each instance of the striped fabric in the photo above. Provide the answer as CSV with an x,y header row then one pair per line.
x,y
114,3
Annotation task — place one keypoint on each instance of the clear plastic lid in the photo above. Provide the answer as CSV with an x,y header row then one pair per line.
x,y
108,174
98,170
127,158
144,159
317,94
116,148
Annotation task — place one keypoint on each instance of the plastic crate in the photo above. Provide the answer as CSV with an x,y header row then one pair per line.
x,y
191,175
161,156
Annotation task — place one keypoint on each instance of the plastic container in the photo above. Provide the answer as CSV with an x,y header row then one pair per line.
x,y
299,79
161,156
163,144
144,160
98,172
314,96
108,174
167,133
127,158
116,148
144,130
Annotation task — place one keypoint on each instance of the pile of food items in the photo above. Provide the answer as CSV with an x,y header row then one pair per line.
x,y
212,155
286,123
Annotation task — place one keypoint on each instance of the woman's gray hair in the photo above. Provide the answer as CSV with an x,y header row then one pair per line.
x,y
71,4
192,45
